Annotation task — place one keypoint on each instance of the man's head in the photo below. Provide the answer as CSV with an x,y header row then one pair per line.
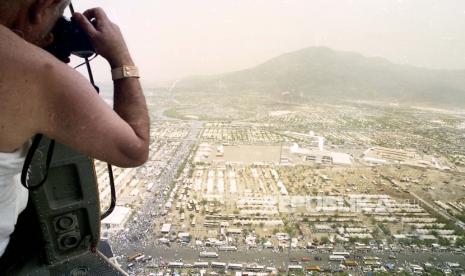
x,y
32,19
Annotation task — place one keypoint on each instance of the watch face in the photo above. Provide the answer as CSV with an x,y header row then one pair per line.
x,y
125,72
130,71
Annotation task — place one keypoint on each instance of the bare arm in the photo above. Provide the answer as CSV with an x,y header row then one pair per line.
x,y
106,37
129,103
76,116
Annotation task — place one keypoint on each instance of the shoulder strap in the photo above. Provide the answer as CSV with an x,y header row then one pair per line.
x,y
30,156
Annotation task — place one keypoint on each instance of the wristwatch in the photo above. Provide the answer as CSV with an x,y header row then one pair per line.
x,y
124,72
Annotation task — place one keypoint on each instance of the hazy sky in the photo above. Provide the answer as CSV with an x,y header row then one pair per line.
x,y
170,39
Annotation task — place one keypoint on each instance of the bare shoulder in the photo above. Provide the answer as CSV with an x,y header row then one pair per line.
x,y
16,90
17,54
23,64
23,77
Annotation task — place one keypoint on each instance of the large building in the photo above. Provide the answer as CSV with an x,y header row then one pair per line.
x,y
322,156
389,155
310,139
116,220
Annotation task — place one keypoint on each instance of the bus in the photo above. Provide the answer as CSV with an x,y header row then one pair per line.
x,y
350,263
295,268
227,248
206,254
255,267
133,257
235,266
175,265
371,258
139,258
336,258
201,264
218,265
341,253
313,268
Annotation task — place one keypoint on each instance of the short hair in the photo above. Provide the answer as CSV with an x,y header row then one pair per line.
x,y
8,7
11,3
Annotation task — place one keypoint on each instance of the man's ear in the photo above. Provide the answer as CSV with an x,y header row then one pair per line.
x,y
40,8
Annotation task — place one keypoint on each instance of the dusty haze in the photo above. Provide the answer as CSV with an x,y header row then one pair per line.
x,y
171,39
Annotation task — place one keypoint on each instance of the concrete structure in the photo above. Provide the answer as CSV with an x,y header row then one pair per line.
x,y
116,220
311,139
166,228
321,156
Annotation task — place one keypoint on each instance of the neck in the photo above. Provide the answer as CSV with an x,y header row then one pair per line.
x,y
7,21
12,26
10,11
15,21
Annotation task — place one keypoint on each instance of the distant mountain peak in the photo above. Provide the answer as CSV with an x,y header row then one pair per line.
x,y
324,73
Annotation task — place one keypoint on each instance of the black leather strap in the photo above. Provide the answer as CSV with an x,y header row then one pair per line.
x,y
28,161
113,194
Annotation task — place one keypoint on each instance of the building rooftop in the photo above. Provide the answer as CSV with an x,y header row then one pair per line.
x,y
119,216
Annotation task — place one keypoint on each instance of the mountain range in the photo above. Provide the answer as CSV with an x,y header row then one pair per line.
x,y
319,73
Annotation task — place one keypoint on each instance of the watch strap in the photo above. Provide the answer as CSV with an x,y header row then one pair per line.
x,y
125,72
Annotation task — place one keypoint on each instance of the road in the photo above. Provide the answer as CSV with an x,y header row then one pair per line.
x,y
163,254
438,211
139,230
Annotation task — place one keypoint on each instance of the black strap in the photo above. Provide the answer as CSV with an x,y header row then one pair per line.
x,y
113,194
28,161
110,169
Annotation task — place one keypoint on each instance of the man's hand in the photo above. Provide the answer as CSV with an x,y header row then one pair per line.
x,y
105,36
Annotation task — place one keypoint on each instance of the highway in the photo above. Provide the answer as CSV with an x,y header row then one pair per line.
x,y
438,211
163,254
140,228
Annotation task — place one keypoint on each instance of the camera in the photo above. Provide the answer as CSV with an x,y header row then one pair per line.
x,y
69,39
